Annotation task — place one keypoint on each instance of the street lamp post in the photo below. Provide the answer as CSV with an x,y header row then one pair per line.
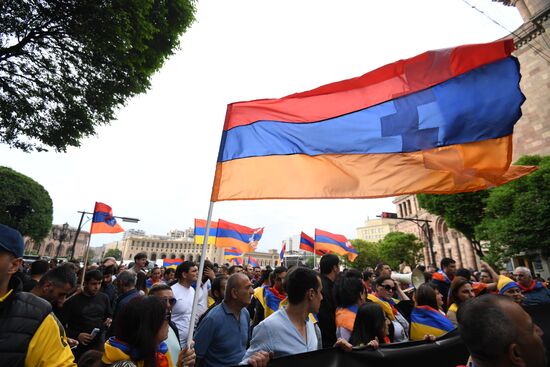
x,y
124,219
61,234
425,227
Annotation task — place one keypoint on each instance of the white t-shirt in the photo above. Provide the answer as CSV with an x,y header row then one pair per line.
x,y
202,304
181,312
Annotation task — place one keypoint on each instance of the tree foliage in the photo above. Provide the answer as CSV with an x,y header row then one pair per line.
x,y
462,212
517,215
368,254
398,246
24,204
65,65
114,252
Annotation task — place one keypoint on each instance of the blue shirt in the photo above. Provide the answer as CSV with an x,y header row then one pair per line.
x,y
277,334
221,339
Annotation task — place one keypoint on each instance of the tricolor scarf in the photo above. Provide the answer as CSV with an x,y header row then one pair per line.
x,y
387,306
270,299
345,317
533,286
116,350
427,321
441,276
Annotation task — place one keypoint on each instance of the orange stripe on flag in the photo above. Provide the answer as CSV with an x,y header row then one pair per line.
x,y
445,170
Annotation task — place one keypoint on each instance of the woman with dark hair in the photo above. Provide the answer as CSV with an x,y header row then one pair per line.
x,y
385,287
141,283
461,291
427,320
371,326
140,331
349,293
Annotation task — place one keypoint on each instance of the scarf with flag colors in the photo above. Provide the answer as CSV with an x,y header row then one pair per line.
x,y
200,231
118,351
387,306
440,122
345,317
103,220
171,263
242,238
533,286
308,244
427,321
270,299
336,243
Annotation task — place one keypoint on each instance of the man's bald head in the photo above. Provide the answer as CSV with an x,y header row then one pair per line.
x,y
494,328
238,289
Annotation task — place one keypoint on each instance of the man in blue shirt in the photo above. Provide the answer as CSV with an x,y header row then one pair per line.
x,y
222,336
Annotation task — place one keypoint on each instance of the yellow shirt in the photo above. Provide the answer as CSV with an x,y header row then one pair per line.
x,y
47,347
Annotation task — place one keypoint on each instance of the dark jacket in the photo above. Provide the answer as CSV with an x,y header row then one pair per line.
x,y
536,296
21,314
327,313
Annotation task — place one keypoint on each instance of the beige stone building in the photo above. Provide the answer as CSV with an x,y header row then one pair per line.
x,y
375,230
532,40
446,242
263,258
59,243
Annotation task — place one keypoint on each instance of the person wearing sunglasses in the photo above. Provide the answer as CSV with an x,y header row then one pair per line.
x,y
385,288
165,294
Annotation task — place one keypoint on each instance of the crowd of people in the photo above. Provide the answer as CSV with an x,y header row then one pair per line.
x,y
140,316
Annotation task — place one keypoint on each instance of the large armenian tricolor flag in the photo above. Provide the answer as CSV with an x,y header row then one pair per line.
x,y
171,263
336,243
242,238
103,220
440,122
200,231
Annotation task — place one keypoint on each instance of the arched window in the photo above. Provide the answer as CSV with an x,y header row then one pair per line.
x,y
190,257
163,256
173,256
154,256
182,256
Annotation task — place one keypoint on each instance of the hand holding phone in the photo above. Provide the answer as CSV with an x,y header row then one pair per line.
x,y
94,332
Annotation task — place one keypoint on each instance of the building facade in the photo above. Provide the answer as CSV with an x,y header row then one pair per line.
x,y
446,242
375,230
59,243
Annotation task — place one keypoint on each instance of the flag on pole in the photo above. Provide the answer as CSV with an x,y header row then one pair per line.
x,y
308,244
231,252
440,122
282,253
242,238
171,263
252,261
238,261
103,220
335,243
200,231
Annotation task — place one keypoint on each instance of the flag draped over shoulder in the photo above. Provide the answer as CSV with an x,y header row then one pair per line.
x,y
427,321
243,239
103,220
200,231
440,122
336,243
308,244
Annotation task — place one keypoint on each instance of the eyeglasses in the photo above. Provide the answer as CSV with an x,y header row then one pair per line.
x,y
389,288
171,301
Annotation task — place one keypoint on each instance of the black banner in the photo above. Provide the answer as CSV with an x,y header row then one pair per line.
x,y
447,351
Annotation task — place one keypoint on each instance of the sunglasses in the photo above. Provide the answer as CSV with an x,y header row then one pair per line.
x,y
389,288
171,301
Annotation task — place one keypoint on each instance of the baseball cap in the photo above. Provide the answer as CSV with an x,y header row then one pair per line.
x,y
11,241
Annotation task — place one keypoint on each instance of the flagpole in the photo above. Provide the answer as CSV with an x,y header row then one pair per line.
x,y
85,260
199,280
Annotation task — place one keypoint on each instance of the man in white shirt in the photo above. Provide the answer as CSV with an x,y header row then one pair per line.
x,y
186,274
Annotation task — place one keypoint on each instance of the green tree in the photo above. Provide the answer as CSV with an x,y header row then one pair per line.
x,y
368,254
462,212
65,66
114,252
24,205
398,246
517,215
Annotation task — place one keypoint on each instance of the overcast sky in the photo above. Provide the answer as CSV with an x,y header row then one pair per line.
x,y
156,161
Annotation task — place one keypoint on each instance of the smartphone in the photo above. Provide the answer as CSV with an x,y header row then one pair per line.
x,y
94,332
